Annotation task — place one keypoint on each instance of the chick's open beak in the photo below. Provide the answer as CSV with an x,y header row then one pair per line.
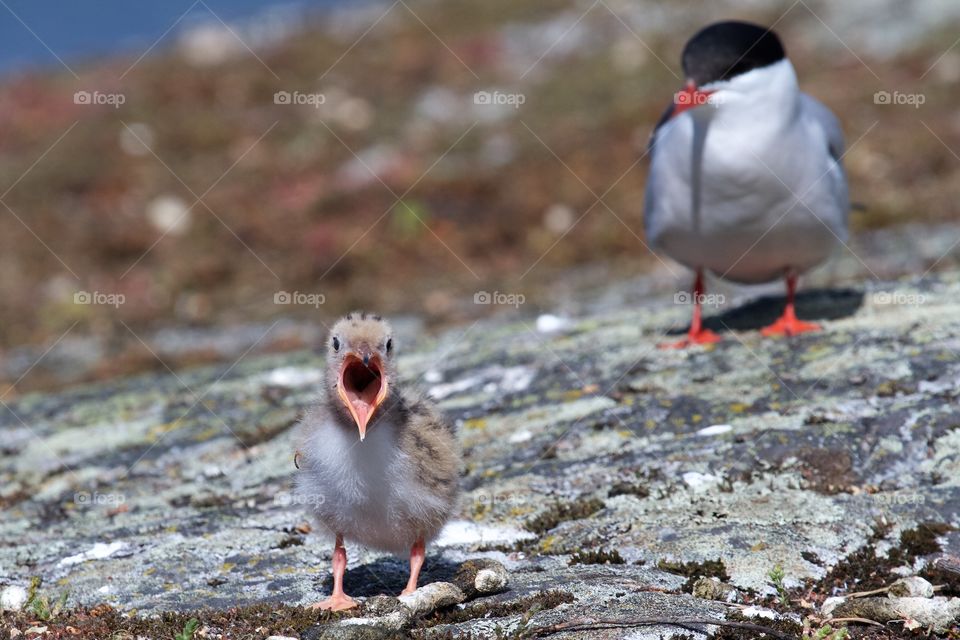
x,y
362,386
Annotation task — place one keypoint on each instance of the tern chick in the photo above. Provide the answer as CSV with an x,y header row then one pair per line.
x,y
377,463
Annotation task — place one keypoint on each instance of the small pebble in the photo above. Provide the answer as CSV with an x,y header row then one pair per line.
x,y
830,604
911,587
491,580
713,589
431,597
481,576
13,598
380,605
940,614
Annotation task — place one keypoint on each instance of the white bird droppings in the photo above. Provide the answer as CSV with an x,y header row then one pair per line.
x,y
715,430
700,482
99,551
549,323
520,436
758,612
463,532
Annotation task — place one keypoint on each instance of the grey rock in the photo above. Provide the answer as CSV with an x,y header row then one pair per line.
x,y
587,440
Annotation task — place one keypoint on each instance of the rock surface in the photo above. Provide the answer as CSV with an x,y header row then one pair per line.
x,y
171,492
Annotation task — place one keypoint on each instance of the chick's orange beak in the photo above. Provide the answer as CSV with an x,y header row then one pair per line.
x,y
362,387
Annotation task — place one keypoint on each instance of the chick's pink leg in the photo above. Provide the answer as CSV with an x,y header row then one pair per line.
x,y
338,600
417,554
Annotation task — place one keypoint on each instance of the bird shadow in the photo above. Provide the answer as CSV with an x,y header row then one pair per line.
x,y
388,575
814,304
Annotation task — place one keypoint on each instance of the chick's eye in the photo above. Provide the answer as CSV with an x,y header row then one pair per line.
x,y
389,345
336,343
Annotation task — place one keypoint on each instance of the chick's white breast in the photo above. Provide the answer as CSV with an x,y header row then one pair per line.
x,y
367,491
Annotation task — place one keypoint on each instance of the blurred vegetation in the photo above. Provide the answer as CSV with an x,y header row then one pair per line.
x,y
199,197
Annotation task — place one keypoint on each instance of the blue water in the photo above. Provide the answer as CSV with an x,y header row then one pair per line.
x,y
76,30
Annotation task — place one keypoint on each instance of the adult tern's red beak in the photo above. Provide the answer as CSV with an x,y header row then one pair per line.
x,y
689,97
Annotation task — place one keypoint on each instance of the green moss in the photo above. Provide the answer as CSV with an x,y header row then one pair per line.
x,y
922,541
103,621
290,541
783,625
40,604
563,512
695,570
865,570
705,569
600,556
480,609
628,489
189,629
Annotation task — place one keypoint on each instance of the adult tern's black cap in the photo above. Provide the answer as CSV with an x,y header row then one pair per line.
x,y
727,49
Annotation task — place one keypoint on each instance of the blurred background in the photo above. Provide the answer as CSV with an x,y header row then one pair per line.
x,y
188,182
